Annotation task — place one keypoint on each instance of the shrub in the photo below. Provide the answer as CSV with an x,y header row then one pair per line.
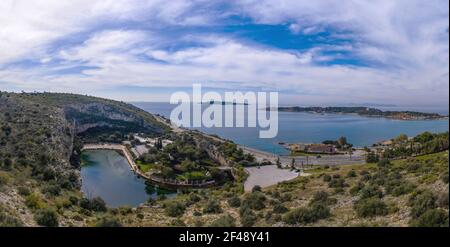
x,y
421,202
7,220
444,177
52,189
234,202
178,223
98,204
370,207
372,157
383,163
24,191
432,218
108,221
322,197
306,215
212,207
46,217
337,183
356,189
4,179
326,178
193,198
248,217
371,191
255,201
442,200
256,188
95,204
224,221
175,209
280,208
351,174
34,201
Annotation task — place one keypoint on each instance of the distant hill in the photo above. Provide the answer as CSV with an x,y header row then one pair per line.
x,y
365,111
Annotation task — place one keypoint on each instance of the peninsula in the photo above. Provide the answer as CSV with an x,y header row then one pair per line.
x,y
365,111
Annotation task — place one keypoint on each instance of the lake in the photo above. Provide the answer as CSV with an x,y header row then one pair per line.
x,y
315,128
106,173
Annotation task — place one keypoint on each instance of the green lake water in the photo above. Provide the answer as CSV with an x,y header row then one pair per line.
x,y
106,173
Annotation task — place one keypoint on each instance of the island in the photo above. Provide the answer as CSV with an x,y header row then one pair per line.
x,y
364,111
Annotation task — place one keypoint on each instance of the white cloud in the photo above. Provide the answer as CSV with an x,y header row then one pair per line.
x,y
407,40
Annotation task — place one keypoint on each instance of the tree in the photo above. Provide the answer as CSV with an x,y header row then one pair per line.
x,y
278,163
402,138
342,141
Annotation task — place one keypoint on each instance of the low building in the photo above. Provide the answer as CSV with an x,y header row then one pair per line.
x,y
321,148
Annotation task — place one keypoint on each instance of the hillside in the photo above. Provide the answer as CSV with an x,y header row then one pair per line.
x,y
40,131
40,185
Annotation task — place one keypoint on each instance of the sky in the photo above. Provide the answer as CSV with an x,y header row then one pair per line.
x,y
311,52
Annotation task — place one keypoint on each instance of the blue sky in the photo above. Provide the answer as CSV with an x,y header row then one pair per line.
x,y
312,52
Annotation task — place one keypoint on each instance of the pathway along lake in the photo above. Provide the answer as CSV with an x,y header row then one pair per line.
x,y
106,173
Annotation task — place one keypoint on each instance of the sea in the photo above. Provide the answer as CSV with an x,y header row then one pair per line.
x,y
295,127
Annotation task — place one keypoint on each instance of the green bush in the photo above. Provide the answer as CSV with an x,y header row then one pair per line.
x,y
4,179
52,190
371,191
248,217
356,189
255,200
351,174
383,163
326,178
8,220
175,209
224,221
95,204
24,191
432,218
337,183
306,215
193,198
444,177
34,201
234,202
421,202
370,207
322,197
442,200
46,217
280,208
212,207
256,188
108,221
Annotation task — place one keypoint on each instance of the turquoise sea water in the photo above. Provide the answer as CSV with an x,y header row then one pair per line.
x,y
314,128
